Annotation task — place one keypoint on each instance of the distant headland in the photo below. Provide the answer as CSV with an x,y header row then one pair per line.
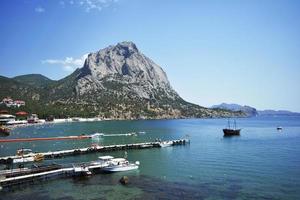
x,y
251,111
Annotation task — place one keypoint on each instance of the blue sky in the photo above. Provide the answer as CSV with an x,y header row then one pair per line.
x,y
244,52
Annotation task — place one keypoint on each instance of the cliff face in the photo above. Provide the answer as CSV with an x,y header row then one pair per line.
x,y
115,82
124,65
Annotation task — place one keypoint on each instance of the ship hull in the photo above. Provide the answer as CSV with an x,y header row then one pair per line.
x,y
120,168
231,132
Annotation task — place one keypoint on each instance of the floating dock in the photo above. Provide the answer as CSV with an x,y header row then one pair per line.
x,y
91,149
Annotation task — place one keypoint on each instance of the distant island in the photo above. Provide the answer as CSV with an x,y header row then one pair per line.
x,y
117,82
251,111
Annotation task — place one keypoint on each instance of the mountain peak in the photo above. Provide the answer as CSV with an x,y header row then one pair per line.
x,y
123,63
127,45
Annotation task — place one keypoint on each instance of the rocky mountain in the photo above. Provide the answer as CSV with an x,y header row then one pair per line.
x,y
115,82
250,111
123,64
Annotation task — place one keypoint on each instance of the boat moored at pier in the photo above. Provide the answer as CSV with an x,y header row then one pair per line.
x,y
119,165
4,118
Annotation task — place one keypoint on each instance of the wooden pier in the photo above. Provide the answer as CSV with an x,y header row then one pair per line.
x,y
91,149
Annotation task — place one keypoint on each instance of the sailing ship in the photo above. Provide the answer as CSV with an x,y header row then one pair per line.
x,y
231,131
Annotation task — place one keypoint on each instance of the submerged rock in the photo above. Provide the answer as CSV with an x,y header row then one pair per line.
x,y
124,180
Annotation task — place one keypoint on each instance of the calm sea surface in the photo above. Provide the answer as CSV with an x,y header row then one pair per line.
x,y
260,164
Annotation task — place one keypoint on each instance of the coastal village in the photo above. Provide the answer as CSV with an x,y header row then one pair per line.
x,y
22,118
9,102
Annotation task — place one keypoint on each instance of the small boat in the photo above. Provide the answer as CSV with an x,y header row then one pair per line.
x,y
17,122
231,131
26,155
102,161
24,152
4,118
23,159
32,119
118,164
166,144
4,131
279,128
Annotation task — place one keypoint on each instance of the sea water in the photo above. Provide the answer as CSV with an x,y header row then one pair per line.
x,y
262,163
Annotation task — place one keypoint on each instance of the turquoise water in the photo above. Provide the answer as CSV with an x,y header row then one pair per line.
x,y
260,164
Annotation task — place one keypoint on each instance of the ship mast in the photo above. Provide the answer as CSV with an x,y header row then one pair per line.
x,y
228,123
234,124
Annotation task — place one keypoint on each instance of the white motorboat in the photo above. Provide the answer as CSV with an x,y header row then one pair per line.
x,y
25,155
102,161
111,164
17,122
120,164
24,152
4,118
166,144
23,159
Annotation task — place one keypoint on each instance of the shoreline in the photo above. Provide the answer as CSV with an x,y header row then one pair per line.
x,y
96,119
